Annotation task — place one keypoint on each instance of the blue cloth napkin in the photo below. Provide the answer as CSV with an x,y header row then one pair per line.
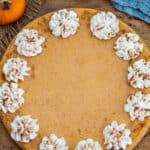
x,y
136,8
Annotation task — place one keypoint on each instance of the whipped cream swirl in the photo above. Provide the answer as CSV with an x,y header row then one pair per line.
x,y
88,144
11,97
29,42
128,46
116,136
139,74
104,25
24,129
138,106
15,69
64,23
52,142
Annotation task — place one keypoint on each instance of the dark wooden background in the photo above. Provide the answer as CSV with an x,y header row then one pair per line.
x,y
140,27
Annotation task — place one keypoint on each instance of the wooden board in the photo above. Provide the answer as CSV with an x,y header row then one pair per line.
x,y
140,27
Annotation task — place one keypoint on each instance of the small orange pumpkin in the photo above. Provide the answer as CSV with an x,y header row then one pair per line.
x,y
11,10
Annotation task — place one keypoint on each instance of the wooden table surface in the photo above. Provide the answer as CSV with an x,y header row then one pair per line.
x,y
140,27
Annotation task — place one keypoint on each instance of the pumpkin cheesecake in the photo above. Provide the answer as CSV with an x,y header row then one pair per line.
x,y
76,79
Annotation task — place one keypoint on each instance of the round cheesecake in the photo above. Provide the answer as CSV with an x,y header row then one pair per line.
x,y
77,85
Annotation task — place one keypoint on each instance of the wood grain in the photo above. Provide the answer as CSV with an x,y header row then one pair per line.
x,y
140,27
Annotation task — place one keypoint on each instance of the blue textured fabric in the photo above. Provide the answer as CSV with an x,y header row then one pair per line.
x,y
136,8
144,6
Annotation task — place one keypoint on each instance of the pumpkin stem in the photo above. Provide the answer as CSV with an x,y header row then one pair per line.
x,y
5,4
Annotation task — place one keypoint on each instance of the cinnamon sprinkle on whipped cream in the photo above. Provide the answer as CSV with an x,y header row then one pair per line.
x,y
52,142
116,136
29,42
139,74
24,129
15,69
138,106
11,97
104,25
64,23
88,144
128,47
